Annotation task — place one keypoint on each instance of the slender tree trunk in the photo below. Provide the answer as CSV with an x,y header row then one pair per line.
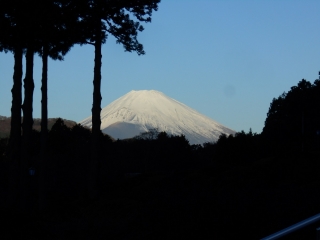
x,y
44,100
44,128
15,131
28,99
96,121
27,125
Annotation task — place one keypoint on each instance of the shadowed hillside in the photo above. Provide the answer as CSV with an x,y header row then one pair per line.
x,y
5,123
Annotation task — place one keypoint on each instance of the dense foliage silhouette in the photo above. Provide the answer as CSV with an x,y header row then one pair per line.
x,y
293,119
51,28
99,19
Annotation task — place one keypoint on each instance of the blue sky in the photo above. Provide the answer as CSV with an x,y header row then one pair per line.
x,y
227,59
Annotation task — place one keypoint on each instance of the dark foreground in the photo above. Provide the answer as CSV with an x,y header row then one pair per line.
x,y
250,202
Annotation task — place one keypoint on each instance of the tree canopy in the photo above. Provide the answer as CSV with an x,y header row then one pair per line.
x,y
294,114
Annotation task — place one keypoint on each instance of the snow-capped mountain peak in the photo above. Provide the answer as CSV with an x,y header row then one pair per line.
x,y
139,111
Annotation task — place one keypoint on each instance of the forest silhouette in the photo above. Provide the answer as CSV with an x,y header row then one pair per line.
x,y
157,185
79,183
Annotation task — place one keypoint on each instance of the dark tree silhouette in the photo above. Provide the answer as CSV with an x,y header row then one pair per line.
x,y
44,33
11,25
56,38
55,22
31,30
31,27
101,18
293,118
37,26
10,41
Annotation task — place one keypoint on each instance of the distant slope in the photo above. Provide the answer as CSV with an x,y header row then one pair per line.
x,y
5,125
124,129
138,111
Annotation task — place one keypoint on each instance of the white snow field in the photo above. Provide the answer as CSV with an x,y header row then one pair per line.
x,y
138,111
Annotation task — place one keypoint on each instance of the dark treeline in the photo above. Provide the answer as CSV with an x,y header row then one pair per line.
x,y
51,28
157,186
293,120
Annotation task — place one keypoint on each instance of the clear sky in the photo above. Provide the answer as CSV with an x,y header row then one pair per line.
x,y
227,59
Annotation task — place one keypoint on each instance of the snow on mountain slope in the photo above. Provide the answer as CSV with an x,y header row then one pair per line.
x,y
138,111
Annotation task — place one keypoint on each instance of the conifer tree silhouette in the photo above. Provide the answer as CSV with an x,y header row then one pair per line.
x,y
11,25
10,41
32,45
55,22
32,26
55,36
101,18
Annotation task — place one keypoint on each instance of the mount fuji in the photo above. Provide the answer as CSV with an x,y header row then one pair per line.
x,y
139,111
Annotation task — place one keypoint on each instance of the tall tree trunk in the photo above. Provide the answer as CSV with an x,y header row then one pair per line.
x,y
15,131
27,125
28,99
44,100
44,128
96,121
